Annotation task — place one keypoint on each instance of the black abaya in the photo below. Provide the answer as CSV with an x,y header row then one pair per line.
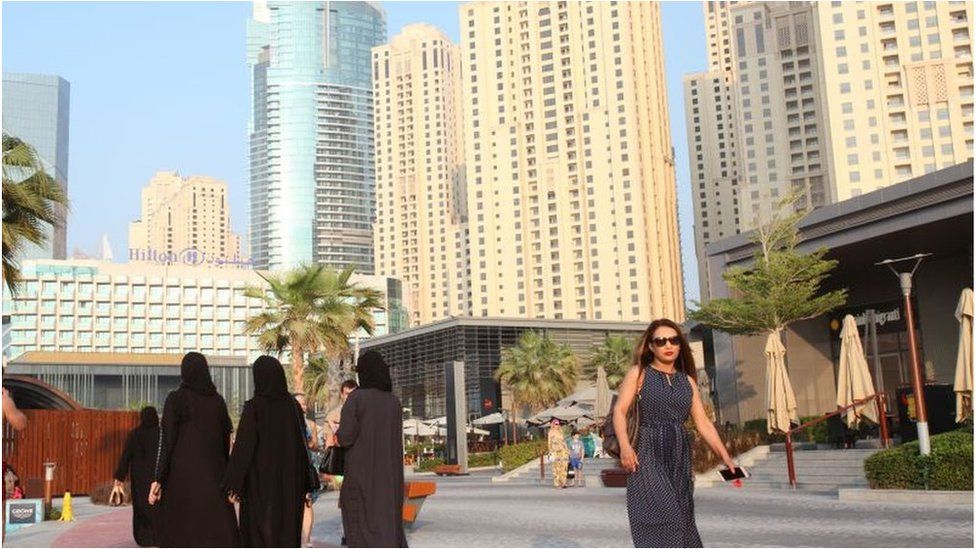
x,y
138,462
371,430
268,464
196,431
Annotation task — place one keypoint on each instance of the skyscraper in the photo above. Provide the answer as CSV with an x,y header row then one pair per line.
x,y
828,100
311,130
35,110
420,180
185,221
571,186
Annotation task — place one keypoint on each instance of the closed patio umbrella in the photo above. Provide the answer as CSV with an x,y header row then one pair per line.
x,y
963,385
780,400
853,377
602,406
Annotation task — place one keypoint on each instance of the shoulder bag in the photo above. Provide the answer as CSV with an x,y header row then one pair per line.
x,y
611,445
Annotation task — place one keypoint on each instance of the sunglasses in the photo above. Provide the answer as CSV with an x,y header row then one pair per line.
x,y
662,341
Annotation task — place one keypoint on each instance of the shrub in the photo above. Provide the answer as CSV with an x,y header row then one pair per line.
x,y
948,467
514,456
736,442
483,459
428,465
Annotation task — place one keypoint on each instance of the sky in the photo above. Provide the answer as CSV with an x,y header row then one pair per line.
x,y
163,86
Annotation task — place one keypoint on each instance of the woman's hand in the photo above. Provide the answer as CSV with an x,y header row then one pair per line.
x,y
628,458
308,500
233,498
155,493
730,464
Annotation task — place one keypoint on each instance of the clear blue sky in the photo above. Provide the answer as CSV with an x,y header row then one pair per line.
x,y
163,86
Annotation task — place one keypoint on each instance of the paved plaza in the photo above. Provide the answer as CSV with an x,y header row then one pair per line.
x,y
472,512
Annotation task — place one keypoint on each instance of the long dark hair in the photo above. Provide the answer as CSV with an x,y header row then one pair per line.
x,y
643,355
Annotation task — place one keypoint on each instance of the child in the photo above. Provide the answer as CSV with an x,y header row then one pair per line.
x,y
576,453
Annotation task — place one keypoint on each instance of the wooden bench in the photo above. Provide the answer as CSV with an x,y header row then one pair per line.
x,y
414,494
447,470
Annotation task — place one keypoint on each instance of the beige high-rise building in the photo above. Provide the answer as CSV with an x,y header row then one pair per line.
x,y
185,221
831,100
571,185
420,230
711,132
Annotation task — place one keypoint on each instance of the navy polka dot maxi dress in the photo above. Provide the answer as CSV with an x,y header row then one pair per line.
x,y
660,502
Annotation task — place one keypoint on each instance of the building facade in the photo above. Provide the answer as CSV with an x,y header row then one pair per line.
x,y
829,100
185,220
88,306
311,132
571,185
417,357
36,110
421,207
932,214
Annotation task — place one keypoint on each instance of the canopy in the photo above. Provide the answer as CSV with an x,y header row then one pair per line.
x,y
780,399
490,419
853,377
442,431
562,413
963,385
417,428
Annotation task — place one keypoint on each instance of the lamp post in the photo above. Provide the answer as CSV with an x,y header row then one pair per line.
x,y
918,386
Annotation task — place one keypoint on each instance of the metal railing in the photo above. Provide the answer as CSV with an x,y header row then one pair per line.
x,y
882,424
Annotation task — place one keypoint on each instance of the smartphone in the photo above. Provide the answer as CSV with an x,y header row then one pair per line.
x,y
728,474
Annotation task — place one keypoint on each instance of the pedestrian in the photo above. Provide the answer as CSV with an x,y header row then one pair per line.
x,y
192,461
138,463
558,453
371,430
576,454
660,504
18,421
268,469
311,431
332,421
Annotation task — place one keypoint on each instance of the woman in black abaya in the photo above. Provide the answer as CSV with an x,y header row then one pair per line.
x,y
138,461
372,432
267,465
196,439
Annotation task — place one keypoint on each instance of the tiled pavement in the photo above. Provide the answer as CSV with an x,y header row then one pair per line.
x,y
471,512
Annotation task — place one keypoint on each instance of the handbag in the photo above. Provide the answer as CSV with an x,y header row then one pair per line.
x,y
333,463
611,445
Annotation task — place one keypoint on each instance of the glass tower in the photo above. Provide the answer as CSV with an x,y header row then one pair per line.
x,y
311,130
35,110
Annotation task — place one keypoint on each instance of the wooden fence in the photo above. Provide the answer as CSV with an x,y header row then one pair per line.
x,y
85,445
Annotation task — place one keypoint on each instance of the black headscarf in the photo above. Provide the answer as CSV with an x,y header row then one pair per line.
x,y
269,378
148,418
195,375
373,372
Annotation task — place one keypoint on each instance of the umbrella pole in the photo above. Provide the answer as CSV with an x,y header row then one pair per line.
x,y
789,460
882,419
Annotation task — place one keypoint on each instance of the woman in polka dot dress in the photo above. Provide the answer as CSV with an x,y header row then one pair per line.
x,y
660,502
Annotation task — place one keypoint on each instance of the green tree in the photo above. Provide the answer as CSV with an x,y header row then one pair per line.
x,y
32,200
615,354
537,371
311,309
323,375
781,286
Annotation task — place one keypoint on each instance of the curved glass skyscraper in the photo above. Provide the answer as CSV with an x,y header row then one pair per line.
x,y
311,130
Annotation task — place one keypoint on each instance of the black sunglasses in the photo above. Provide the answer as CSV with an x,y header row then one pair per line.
x,y
662,341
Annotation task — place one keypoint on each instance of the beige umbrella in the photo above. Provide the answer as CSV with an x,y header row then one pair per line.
x,y
964,360
780,400
602,406
853,376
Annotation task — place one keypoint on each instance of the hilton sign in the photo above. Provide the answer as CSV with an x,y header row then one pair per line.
x,y
189,256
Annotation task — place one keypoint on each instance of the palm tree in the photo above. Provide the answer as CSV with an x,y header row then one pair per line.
x,y
323,375
537,371
311,309
32,199
615,354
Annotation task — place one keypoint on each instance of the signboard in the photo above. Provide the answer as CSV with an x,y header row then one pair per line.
x,y
23,512
888,317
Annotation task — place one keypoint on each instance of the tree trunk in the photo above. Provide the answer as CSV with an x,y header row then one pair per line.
x,y
297,370
514,422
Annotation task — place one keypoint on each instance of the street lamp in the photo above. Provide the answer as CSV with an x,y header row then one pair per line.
x,y
918,387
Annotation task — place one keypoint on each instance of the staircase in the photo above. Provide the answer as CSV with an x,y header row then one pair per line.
x,y
822,471
591,470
